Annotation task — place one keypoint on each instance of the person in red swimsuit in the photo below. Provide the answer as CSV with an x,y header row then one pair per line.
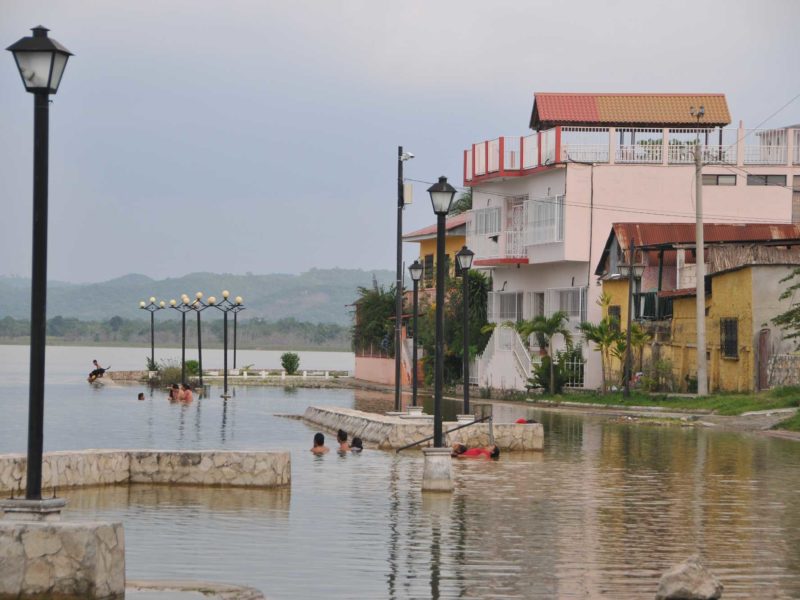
x,y
491,451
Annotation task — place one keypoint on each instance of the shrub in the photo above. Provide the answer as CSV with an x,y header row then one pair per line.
x,y
150,364
290,362
192,367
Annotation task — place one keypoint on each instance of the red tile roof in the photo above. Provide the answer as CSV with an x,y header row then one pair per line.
x,y
631,110
450,224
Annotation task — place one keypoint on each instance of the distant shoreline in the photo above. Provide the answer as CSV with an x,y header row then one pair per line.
x,y
117,344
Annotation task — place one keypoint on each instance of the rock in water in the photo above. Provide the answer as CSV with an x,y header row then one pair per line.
x,y
689,580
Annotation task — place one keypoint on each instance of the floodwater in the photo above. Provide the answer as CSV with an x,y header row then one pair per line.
x,y
601,513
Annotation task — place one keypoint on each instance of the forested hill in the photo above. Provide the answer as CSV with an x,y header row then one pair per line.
x,y
316,296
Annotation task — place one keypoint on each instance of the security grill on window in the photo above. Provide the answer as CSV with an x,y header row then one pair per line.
x,y
729,337
427,270
615,315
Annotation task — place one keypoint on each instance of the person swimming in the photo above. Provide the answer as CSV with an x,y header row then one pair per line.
x,y
319,445
357,445
491,451
341,437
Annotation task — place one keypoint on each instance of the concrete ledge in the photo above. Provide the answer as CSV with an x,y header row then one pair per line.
x,y
109,467
394,432
213,591
63,560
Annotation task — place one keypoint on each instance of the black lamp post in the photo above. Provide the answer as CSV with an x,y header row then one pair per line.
x,y
464,257
236,310
632,271
416,274
225,306
152,307
182,308
199,306
398,284
441,198
41,61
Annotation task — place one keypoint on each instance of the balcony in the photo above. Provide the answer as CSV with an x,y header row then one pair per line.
x,y
514,156
534,222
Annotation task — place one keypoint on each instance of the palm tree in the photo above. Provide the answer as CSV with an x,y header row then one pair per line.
x,y
639,338
604,335
462,204
545,329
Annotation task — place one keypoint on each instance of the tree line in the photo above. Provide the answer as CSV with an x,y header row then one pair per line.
x,y
258,333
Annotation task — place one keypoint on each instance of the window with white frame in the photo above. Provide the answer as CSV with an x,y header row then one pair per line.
x,y
485,221
571,301
505,306
546,220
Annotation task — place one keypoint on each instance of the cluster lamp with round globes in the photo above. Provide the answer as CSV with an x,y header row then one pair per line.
x,y
41,61
441,198
226,306
416,274
464,258
152,307
183,307
199,306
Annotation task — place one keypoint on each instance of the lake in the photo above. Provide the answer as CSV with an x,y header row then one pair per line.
x,y
601,513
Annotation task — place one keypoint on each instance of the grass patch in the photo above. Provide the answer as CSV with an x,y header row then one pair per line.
x,y
790,424
721,404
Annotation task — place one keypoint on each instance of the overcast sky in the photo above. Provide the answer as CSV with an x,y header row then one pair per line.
x,y
261,136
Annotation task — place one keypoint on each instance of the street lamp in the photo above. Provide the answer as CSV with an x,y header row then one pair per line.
x,y
41,61
236,310
183,307
398,284
199,306
226,306
632,271
441,198
152,307
416,274
464,258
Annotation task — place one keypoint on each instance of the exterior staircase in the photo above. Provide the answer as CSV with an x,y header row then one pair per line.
x,y
505,362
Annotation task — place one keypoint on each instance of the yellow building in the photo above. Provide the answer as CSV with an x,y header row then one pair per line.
x,y
743,291
455,239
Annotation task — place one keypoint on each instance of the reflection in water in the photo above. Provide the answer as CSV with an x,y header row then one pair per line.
x,y
601,513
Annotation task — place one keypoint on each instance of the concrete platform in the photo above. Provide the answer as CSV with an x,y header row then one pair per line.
x,y
390,432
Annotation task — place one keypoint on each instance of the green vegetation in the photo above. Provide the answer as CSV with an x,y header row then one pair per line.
x,y
461,204
290,362
789,320
478,286
790,424
373,330
721,404
545,329
252,333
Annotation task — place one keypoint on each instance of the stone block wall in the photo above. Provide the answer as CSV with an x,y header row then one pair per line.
x,y
63,560
784,369
107,467
394,432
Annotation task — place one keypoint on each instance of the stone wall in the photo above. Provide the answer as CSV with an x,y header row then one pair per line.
x,y
64,560
784,369
107,467
387,432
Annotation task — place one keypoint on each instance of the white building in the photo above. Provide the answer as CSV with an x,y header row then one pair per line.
x,y
543,204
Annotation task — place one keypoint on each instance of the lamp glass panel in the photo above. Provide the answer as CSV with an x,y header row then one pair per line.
x,y
465,260
59,62
35,68
441,201
638,271
624,270
416,271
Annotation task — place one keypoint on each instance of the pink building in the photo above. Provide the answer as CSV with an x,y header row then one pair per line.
x,y
543,204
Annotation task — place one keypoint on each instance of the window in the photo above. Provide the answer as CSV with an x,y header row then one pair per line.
x,y
719,179
427,270
766,180
571,301
615,315
485,221
505,306
729,337
545,220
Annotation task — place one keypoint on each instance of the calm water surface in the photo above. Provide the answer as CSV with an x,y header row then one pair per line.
x,y
601,513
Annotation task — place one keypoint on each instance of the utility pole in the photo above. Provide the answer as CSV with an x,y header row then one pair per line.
x,y
700,262
398,290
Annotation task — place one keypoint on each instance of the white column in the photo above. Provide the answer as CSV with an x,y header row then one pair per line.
x,y
612,134
437,473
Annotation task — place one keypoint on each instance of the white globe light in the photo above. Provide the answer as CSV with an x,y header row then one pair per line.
x,y
142,304
212,300
198,295
172,302
225,293
152,298
162,304
239,300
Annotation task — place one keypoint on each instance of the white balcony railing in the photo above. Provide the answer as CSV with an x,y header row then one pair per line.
x,y
765,155
530,151
468,164
515,244
638,153
494,155
511,153
480,159
585,144
545,220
